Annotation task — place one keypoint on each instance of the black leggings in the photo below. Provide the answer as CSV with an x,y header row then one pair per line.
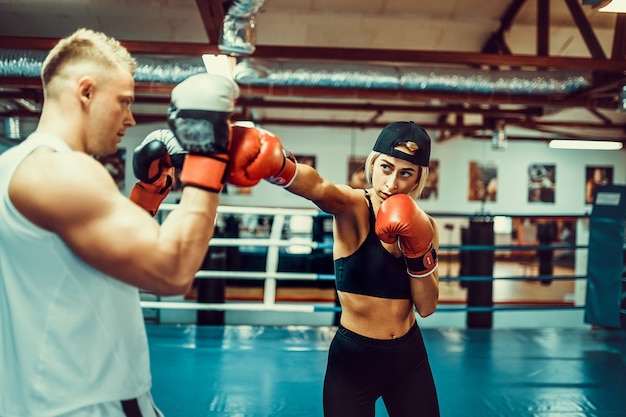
x,y
361,369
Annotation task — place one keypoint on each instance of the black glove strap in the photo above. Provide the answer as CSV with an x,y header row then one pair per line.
x,y
418,264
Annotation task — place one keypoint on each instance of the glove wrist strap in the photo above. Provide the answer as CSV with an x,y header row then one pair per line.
x,y
207,172
288,172
424,265
148,197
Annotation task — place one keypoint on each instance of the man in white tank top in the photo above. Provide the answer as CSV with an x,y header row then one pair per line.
x,y
74,251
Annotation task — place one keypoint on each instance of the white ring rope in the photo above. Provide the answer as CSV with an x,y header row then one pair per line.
x,y
271,275
235,242
271,262
271,211
228,306
305,276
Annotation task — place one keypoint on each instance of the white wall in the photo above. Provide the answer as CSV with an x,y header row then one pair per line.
x,y
333,146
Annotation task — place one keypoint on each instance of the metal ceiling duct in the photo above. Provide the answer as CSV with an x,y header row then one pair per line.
x,y
238,35
153,69
249,71
408,78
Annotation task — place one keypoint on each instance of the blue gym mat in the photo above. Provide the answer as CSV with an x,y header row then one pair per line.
x,y
256,371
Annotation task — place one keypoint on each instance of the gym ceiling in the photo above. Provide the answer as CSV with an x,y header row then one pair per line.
x,y
543,68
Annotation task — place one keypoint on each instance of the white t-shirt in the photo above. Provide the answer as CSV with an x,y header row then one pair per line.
x,y
70,336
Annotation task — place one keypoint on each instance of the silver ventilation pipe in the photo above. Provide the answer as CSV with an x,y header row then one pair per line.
x,y
260,72
238,35
257,72
152,69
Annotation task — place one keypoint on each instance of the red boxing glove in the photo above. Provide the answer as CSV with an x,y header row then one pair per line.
x,y
401,219
154,163
257,154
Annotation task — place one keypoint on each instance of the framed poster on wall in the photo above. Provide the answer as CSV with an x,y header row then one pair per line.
x,y
115,164
177,185
541,183
431,189
306,160
356,172
594,176
483,181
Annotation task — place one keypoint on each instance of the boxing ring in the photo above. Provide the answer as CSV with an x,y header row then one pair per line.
x,y
256,370
273,242
260,371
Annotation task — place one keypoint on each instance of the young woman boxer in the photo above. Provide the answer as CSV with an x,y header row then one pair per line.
x,y
385,265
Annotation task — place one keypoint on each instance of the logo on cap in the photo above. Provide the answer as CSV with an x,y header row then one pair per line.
x,y
397,133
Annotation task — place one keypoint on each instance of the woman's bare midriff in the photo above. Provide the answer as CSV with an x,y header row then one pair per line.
x,y
374,317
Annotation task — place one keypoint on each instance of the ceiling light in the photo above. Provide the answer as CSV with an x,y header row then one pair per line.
x,y
602,145
614,6
499,138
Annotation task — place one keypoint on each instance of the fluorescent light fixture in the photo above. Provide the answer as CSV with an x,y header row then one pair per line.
x,y
499,139
614,6
601,145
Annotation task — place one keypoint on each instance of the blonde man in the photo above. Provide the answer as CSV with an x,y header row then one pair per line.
x,y
74,251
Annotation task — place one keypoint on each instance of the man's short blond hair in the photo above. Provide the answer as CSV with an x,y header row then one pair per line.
x,y
86,45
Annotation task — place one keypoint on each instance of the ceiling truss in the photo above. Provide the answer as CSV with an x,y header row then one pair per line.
x,y
449,107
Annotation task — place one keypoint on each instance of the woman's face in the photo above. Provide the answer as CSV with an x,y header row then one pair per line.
x,y
393,176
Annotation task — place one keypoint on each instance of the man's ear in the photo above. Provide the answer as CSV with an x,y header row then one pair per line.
x,y
85,89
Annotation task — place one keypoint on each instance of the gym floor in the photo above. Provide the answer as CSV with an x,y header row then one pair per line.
x,y
258,371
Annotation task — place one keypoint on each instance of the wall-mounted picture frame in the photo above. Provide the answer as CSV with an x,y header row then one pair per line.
x,y
306,160
115,164
483,181
594,176
356,172
541,183
431,189
177,185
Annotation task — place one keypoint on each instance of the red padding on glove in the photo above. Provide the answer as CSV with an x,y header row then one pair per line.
x,y
206,172
148,196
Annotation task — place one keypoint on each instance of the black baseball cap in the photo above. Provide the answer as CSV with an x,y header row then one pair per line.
x,y
398,132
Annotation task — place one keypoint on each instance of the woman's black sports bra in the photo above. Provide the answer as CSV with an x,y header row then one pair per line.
x,y
371,270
